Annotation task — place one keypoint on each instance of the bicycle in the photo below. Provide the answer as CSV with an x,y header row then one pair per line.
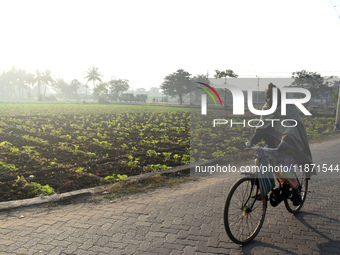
x,y
245,207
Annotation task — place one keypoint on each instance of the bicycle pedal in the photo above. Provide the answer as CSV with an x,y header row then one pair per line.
x,y
275,198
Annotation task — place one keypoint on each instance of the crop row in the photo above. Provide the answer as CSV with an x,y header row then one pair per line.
x,y
67,147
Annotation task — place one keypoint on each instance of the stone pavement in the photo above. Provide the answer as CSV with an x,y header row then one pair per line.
x,y
186,219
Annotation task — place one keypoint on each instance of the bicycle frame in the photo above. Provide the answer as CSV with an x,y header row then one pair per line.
x,y
249,196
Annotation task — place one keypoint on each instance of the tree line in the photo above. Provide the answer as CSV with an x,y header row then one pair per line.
x,y
179,84
17,83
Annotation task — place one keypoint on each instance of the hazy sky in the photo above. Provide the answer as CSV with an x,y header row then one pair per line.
x,y
143,41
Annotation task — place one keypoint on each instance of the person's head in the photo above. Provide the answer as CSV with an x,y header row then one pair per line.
x,y
269,95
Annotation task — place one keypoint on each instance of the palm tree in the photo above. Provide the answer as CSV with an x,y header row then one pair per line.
x,y
62,87
12,80
30,82
47,79
86,87
93,75
38,79
3,83
21,82
75,84
15,81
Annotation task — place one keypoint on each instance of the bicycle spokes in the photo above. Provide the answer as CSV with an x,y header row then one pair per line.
x,y
244,213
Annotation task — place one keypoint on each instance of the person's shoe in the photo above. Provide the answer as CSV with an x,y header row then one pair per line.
x,y
296,198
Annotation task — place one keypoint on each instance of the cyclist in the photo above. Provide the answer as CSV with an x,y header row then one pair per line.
x,y
292,140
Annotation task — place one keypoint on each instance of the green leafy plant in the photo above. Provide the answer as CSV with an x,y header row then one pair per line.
x,y
124,146
55,133
66,137
42,190
176,157
30,150
103,136
115,177
166,155
5,144
185,159
218,154
54,163
90,154
35,139
232,150
14,151
96,141
103,144
20,180
155,167
7,167
152,153
80,171
64,145
76,151
82,138
132,163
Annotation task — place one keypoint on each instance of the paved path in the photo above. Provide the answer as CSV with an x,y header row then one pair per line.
x,y
186,219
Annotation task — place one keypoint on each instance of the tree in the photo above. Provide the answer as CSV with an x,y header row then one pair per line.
x,y
101,89
117,86
154,91
74,85
15,81
60,86
140,91
38,79
30,83
335,94
46,79
199,78
317,85
64,88
2,83
86,87
177,84
11,81
93,75
327,89
227,73
21,81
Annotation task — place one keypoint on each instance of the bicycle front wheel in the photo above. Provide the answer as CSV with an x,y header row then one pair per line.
x,y
244,211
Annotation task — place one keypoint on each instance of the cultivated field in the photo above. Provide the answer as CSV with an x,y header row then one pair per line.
x,y
58,148
47,148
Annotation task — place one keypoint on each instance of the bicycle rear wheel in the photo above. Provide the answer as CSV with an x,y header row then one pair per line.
x,y
303,183
244,211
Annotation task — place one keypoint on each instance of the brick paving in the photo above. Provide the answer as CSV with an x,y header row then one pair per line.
x,y
185,219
